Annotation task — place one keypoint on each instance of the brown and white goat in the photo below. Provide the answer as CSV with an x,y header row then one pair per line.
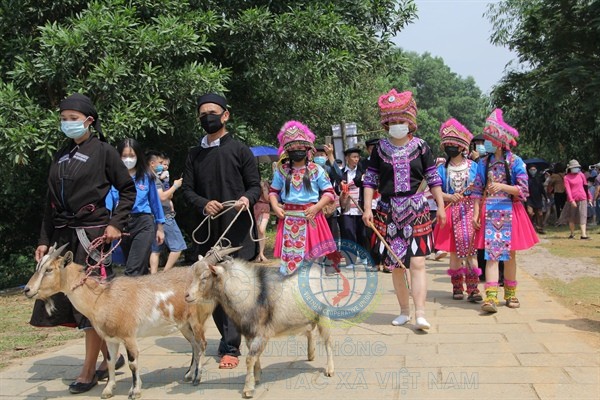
x,y
126,308
262,303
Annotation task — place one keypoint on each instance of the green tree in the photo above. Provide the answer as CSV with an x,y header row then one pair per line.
x,y
552,98
145,62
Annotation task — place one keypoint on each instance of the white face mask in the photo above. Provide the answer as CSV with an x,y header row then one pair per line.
x,y
130,162
398,131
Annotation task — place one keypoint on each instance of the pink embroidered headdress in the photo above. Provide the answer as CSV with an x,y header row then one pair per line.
x,y
498,131
398,108
453,132
295,134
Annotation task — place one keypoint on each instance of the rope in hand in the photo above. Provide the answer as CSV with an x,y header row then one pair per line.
x,y
227,205
98,246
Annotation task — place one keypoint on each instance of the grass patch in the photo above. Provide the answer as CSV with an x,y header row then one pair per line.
x,y
18,338
582,295
560,245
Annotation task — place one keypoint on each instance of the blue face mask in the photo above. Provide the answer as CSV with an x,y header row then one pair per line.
x,y
159,168
73,129
489,147
481,150
321,160
575,170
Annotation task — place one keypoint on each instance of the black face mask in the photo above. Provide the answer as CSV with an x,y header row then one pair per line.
x,y
451,151
297,155
211,123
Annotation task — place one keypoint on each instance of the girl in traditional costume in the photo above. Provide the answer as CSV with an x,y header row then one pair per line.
x,y
304,189
458,235
399,168
503,223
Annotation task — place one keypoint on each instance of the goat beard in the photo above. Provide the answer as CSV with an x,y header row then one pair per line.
x,y
50,307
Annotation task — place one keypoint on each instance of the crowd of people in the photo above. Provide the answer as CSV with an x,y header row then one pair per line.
x,y
479,204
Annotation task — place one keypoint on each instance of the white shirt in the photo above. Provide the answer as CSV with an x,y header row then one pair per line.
x,y
354,191
205,145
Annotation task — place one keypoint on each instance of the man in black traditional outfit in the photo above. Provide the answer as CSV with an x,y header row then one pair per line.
x,y
221,169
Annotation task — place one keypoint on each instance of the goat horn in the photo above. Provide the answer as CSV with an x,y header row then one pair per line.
x,y
215,254
52,254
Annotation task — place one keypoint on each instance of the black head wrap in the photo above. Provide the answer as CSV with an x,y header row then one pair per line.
x,y
84,105
212,98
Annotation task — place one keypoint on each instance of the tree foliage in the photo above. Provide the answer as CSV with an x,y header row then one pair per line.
x,y
553,97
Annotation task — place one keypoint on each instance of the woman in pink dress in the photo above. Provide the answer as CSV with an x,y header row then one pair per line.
x,y
578,197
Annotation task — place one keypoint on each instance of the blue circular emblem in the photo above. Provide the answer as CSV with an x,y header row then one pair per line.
x,y
341,286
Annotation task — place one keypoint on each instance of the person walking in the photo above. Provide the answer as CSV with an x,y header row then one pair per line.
x,y
79,180
147,217
222,169
458,235
578,197
304,188
500,217
399,167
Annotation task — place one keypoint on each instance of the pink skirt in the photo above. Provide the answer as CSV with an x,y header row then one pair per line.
x,y
523,234
459,224
298,240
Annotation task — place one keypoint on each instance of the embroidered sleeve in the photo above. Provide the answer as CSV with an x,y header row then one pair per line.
x,y
519,177
472,175
441,170
276,184
430,171
479,180
371,178
324,183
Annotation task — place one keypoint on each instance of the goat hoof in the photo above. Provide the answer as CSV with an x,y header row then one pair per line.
x,y
107,395
248,394
329,373
196,382
134,394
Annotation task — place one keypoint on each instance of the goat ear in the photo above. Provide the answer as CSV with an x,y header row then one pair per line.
x,y
68,258
216,269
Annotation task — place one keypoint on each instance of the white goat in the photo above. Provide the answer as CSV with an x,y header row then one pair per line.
x,y
125,308
262,303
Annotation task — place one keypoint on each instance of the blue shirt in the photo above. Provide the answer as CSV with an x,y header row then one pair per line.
x,y
146,199
297,194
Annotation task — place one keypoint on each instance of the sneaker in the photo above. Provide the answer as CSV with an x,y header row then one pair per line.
x,y
401,320
440,254
422,324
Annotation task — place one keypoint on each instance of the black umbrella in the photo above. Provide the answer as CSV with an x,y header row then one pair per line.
x,y
538,162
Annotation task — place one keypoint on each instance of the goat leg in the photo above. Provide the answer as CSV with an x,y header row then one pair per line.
x,y
256,346
325,332
132,355
193,373
311,345
113,351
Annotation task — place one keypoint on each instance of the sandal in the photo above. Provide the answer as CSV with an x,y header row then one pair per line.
x,y
458,295
228,362
475,296
513,302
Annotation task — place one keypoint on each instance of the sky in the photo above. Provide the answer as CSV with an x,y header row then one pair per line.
x,y
457,32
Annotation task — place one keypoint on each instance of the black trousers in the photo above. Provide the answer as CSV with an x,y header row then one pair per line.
x,y
137,246
560,200
352,229
230,337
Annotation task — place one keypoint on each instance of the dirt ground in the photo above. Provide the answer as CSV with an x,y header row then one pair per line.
x,y
540,263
